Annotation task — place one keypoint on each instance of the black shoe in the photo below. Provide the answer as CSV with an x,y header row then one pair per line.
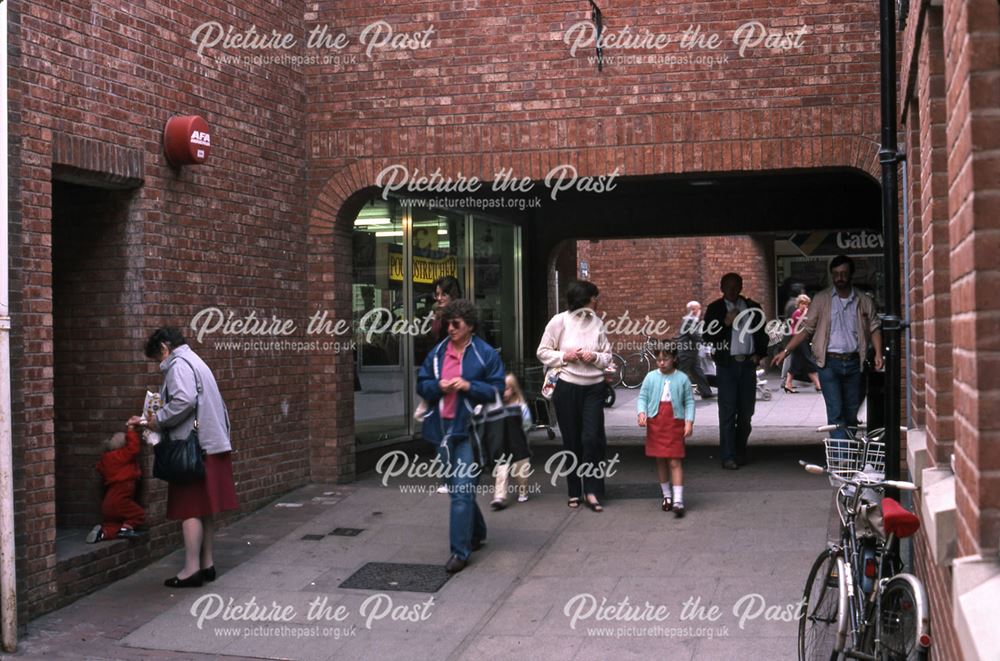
x,y
679,510
478,544
128,533
455,564
667,504
498,505
594,505
192,581
729,464
208,574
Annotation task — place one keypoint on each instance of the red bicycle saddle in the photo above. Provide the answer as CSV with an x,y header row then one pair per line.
x,y
898,520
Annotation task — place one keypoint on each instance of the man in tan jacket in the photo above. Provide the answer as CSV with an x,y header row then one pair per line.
x,y
842,322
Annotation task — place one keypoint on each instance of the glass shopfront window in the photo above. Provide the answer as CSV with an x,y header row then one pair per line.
x,y
398,254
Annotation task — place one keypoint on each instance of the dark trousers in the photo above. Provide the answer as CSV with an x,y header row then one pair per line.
x,y
688,363
737,384
580,414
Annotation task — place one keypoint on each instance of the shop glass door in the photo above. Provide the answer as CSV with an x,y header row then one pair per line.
x,y
381,388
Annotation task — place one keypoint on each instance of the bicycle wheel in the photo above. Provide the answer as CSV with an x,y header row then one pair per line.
x,y
636,368
818,615
609,396
618,363
898,622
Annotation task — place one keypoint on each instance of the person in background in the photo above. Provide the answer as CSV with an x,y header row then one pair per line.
x,y
842,323
576,344
512,396
688,350
791,305
802,361
729,325
446,290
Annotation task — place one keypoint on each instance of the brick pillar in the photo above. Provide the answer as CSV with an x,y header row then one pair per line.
x,y
937,308
972,47
914,266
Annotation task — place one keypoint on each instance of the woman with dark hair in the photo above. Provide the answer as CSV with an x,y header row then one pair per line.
x,y
446,290
191,397
575,344
458,374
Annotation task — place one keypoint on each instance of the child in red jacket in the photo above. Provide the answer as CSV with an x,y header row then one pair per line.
x,y
119,466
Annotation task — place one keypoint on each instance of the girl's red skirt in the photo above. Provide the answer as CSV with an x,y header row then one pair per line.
x,y
216,493
665,434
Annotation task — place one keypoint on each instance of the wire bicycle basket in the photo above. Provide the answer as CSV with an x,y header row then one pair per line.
x,y
855,459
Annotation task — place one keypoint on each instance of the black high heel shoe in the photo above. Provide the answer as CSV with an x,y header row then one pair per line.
x,y
790,391
208,574
192,581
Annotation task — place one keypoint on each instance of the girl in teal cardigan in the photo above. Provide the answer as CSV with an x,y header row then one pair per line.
x,y
666,410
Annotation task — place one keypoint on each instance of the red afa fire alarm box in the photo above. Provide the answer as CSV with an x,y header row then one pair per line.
x,y
186,140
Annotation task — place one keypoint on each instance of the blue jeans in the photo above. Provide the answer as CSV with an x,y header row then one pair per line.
x,y
737,384
467,522
841,381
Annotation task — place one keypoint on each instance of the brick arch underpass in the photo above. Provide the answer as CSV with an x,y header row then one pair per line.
x,y
332,445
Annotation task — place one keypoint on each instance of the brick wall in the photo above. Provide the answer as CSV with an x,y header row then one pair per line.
x,y
91,86
655,278
951,70
972,89
937,306
937,582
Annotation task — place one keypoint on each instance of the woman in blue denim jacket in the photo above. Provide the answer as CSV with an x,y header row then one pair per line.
x,y
458,374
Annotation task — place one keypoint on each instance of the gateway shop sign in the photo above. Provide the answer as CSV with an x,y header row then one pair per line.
x,y
825,244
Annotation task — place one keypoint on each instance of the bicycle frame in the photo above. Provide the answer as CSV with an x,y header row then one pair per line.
x,y
859,633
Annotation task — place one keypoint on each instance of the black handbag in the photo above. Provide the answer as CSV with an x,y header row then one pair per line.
x,y
497,433
181,461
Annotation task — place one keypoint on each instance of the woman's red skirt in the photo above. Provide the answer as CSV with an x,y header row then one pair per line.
x,y
665,434
216,493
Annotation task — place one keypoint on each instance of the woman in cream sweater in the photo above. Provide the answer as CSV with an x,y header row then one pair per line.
x,y
575,344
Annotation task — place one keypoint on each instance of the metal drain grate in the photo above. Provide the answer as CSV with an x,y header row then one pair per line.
x,y
347,532
632,491
312,538
397,576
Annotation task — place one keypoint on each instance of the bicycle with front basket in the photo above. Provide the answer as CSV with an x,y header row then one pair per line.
x,y
857,602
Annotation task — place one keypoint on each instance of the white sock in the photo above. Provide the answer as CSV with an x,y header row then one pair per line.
x,y
665,488
678,495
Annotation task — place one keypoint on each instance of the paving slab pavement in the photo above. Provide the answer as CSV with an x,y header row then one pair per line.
x,y
750,532
551,582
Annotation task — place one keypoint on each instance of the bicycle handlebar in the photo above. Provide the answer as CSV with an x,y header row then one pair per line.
x,y
861,426
902,485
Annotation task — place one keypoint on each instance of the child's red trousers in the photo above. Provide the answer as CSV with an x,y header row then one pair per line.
x,y
120,509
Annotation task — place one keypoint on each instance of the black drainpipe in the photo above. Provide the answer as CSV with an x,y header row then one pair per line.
x,y
889,157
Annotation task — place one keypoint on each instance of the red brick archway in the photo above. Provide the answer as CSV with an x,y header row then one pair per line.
x,y
331,407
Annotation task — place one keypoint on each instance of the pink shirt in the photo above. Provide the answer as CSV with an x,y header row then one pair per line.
x,y
451,368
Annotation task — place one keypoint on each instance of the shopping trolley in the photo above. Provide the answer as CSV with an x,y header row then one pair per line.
x,y
531,377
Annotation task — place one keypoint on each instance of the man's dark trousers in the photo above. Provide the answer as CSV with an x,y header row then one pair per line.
x,y
689,365
737,384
